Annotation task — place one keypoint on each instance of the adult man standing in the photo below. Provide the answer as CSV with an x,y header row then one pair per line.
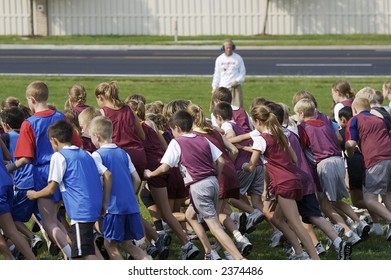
x,y
230,72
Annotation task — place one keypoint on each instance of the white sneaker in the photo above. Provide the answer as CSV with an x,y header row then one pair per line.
x,y
320,249
377,229
276,238
243,245
296,257
362,229
228,256
253,219
353,238
214,255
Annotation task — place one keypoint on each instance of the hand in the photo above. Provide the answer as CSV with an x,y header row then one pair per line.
x,y
245,167
147,173
234,84
103,211
31,194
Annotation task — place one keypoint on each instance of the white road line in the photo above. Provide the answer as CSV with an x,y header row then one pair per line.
x,y
324,65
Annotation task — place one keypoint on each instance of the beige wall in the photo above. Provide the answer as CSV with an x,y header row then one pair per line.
x,y
194,17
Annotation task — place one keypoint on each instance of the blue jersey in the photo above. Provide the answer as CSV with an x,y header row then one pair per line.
x,y
5,178
122,198
23,177
43,150
82,190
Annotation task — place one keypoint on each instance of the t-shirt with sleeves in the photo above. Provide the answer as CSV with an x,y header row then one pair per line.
x,y
370,133
196,156
77,175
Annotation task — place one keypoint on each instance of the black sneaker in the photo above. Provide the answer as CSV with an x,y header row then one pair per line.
x,y
345,251
152,250
243,223
162,244
99,242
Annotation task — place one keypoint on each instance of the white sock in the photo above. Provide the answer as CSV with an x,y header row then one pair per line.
x,y
67,251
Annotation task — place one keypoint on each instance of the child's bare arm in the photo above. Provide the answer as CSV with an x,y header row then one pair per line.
x,y
240,138
350,146
232,150
219,164
249,167
136,181
107,183
163,168
50,189
6,153
293,154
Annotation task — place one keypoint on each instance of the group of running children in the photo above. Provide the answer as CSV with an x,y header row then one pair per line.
x,y
79,174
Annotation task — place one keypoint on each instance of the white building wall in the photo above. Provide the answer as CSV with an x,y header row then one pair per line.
x,y
15,17
200,17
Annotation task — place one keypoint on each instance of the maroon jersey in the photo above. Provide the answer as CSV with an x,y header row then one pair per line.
x,y
241,118
125,135
228,180
79,108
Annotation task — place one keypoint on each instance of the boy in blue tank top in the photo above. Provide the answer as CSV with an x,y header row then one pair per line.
x,y
74,172
6,222
22,208
33,146
121,223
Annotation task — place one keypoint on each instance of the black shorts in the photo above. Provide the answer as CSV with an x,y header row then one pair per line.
x,y
82,237
308,207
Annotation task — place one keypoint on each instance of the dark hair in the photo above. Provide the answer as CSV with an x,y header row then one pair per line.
x,y
345,112
276,109
182,119
135,96
62,130
224,110
13,116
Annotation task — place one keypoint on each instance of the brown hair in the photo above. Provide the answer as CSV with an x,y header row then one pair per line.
x,y
110,92
199,118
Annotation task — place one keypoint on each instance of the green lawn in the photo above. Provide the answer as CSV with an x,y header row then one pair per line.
x,y
198,90
256,40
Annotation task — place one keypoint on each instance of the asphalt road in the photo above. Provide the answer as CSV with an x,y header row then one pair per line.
x,y
194,61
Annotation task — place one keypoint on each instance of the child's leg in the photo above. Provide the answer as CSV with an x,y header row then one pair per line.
x,y
4,249
134,251
241,204
311,233
223,238
112,249
10,230
374,205
333,215
161,198
347,209
289,208
48,209
279,220
191,218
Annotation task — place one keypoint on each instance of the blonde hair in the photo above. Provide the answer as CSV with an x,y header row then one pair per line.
x,y
303,94
77,94
71,117
199,118
110,92
154,107
158,119
38,90
367,93
137,107
306,106
361,104
268,119
103,127
85,117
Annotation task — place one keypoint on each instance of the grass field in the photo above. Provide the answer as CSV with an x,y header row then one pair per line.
x,y
256,40
198,90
